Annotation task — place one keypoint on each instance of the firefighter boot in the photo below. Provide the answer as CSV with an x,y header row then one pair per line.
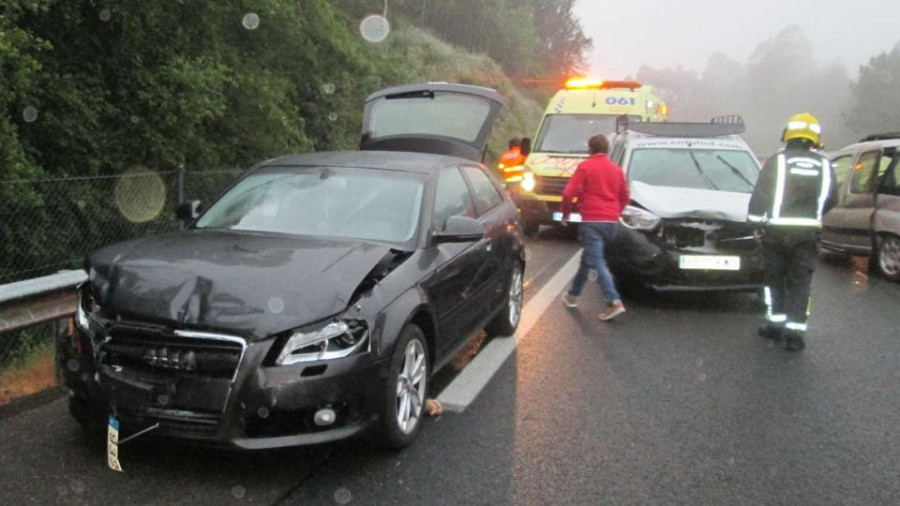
x,y
794,340
771,331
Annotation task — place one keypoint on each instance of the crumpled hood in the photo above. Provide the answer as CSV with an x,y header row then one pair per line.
x,y
252,284
671,202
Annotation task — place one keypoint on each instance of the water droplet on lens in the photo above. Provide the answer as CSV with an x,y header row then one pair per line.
x,y
374,28
105,14
328,88
238,491
343,496
276,305
135,119
731,461
332,116
702,377
29,114
699,362
250,21
263,412
593,275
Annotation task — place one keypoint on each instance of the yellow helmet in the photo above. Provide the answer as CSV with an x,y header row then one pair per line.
x,y
803,126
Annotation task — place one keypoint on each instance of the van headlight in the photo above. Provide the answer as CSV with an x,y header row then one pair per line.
x,y
337,339
639,219
528,181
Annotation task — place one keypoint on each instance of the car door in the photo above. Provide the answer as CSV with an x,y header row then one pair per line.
x,y
851,221
453,284
493,272
887,198
832,231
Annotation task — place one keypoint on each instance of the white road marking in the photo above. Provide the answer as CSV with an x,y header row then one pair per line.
x,y
463,390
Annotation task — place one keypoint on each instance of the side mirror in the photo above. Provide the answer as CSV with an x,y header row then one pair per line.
x,y
460,229
526,146
188,211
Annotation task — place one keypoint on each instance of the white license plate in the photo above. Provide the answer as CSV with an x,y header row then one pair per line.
x,y
710,262
573,217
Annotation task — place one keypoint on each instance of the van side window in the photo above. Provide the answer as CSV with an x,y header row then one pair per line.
x,y
890,185
841,166
861,176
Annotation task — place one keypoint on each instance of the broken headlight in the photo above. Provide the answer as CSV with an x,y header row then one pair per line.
x,y
337,339
85,307
638,219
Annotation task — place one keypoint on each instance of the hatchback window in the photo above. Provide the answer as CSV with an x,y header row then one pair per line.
x,y
329,202
862,172
486,194
708,169
451,198
443,114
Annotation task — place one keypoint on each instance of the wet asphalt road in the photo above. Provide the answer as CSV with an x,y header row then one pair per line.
x,y
676,402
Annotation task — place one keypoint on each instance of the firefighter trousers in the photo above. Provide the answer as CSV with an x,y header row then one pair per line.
x,y
790,260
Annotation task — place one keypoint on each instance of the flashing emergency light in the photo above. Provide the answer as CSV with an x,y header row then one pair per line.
x,y
576,83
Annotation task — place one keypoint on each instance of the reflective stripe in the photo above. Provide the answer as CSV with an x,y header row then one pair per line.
x,y
803,159
826,187
797,125
779,187
776,318
805,172
753,217
796,222
795,326
771,317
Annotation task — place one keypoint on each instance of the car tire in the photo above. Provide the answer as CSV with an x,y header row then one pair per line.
x,y
886,257
397,428
507,320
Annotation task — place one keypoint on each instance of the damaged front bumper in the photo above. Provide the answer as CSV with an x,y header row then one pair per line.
x,y
217,391
689,255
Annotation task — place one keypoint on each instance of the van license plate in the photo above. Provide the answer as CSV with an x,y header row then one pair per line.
x,y
710,262
573,217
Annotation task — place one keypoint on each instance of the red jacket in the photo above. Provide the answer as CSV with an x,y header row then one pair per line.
x,y
601,189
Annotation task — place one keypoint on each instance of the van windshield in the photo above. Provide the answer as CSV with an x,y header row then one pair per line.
x,y
708,169
569,133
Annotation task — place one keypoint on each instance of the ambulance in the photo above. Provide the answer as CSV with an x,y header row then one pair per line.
x,y
582,109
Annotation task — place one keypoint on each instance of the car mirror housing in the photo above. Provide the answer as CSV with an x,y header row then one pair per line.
x,y
188,211
460,229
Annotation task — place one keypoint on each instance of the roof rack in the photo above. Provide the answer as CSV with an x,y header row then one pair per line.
x,y
719,126
881,137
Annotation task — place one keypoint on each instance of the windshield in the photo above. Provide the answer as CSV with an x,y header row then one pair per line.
x,y
569,133
352,203
708,169
445,114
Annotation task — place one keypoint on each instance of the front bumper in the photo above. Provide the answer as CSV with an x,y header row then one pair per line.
x,y
651,259
535,209
261,407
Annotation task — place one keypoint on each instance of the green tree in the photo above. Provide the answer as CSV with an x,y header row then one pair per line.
x,y
875,105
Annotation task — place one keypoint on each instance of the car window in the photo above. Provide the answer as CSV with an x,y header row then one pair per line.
x,y
862,172
451,198
841,166
708,169
890,185
486,194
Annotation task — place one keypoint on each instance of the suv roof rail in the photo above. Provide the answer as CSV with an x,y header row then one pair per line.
x,y
717,127
881,137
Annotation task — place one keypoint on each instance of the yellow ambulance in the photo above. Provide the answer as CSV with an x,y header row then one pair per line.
x,y
584,108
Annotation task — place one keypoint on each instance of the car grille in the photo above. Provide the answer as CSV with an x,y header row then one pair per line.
x,y
154,352
547,185
724,237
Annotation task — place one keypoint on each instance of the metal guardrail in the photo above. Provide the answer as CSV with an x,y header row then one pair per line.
x,y
34,301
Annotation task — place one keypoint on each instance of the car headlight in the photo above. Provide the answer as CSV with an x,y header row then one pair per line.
x,y
334,340
528,181
639,219
85,306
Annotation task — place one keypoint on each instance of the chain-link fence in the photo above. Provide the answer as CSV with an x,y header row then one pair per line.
x,y
47,225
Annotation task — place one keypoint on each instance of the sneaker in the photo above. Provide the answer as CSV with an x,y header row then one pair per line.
x,y
773,332
569,301
612,311
794,342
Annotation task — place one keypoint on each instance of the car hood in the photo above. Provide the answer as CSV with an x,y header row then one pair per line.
x,y
671,202
251,284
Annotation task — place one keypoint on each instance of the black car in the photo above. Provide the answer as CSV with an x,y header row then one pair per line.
x,y
316,297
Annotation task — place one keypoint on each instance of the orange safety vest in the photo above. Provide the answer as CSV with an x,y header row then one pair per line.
x,y
511,164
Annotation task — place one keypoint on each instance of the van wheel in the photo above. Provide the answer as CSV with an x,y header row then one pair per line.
x,y
402,406
887,257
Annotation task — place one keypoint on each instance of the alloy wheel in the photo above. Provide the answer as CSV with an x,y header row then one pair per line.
x,y
516,292
411,383
889,256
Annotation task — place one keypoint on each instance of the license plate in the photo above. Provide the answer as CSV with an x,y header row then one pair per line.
x,y
710,262
112,444
573,217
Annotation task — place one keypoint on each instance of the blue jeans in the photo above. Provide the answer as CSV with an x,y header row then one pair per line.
x,y
593,236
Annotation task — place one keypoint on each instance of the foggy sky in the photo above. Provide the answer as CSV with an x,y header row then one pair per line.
x,y
666,33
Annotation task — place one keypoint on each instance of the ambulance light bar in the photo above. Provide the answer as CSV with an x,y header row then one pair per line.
x,y
580,83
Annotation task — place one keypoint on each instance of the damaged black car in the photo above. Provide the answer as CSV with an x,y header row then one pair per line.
x,y
313,300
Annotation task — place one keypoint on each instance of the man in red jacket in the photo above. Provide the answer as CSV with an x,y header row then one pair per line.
x,y
602,193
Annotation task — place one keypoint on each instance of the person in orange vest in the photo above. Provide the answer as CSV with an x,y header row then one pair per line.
x,y
511,161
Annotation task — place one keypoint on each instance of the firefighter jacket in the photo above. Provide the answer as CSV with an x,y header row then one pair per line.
x,y
795,188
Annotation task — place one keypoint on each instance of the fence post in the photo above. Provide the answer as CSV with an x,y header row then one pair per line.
x,y
181,184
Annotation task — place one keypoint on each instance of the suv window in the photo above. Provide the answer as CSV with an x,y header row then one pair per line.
x,y
841,166
486,194
890,185
451,198
862,172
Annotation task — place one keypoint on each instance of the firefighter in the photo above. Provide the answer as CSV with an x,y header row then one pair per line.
x,y
794,190
511,161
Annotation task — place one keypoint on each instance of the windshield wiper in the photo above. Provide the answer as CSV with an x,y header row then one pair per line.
x,y
736,171
702,174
